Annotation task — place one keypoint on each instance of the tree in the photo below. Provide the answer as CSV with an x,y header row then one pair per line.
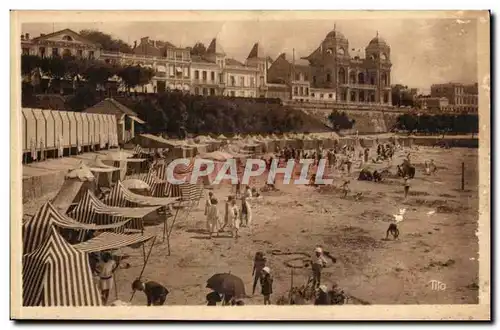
x,y
133,76
198,49
106,41
28,64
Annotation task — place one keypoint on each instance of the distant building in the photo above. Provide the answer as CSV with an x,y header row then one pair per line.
x,y
332,75
61,43
432,103
461,97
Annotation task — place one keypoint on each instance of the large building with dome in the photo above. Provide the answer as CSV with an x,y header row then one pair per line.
x,y
333,74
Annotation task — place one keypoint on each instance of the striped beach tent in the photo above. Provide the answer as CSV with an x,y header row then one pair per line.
x,y
91,210
121,196
57,274
37,229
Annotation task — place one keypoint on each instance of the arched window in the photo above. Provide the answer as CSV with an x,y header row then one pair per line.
x,y
361,78
352,77
329,51
67,38
66,52
342,76
384,79
383,56
341,51
353,97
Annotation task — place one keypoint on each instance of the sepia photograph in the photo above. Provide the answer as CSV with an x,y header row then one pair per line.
x,y
168,163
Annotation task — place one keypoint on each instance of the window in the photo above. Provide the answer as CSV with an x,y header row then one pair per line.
x,y
328,77
297,76
252,82
67,38
178,56
301,91
221,78
233,81
341,76
352,78
314,79
330,96
383,56
186,72
171,70
26,51
66,52
306,77
205,91
262,81
242,81
312,94
196,74
196,91
91,54
361,78
212,91
79,53
212,76
329,51
353,97
307,91
295,90
341,51
233,94
41,51
204,75
321,95
55,51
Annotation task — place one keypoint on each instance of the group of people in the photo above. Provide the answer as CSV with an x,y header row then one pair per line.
x,y
234,217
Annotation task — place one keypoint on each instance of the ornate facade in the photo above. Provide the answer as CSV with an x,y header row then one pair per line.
x,y
333,75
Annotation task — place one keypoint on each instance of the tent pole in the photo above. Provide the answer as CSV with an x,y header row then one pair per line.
x,y
145,263
175,218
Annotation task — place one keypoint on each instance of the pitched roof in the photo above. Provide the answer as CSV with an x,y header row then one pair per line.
x,y
110,106
232,61
256,51
215,48
65,31
200,59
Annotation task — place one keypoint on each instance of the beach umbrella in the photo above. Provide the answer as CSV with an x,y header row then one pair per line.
x,y
227,284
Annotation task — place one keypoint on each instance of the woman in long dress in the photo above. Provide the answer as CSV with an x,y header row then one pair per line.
x,y
213,218
234,218
246,209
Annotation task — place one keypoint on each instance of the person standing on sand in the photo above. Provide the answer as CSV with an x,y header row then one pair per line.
x,y
106,269
259,262
227,215
318,263
406,185
213,218
266,283
246,209
234,219
208,202
345,188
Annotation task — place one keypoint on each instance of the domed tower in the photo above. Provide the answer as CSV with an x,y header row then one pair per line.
x,y
325,60
378,56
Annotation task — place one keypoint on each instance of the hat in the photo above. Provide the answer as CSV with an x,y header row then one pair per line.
x,y
323,288
318,250
267,270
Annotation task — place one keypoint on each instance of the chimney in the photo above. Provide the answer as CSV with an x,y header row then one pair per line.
x,y
135,43
42,34
27,37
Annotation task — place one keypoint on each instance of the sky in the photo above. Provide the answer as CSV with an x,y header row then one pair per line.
x,y
423,51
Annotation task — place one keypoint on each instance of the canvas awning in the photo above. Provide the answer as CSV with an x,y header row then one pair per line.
x,y
111,241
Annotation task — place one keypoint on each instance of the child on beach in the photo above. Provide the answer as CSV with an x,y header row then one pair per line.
x,y
406,185
266,283
259,262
